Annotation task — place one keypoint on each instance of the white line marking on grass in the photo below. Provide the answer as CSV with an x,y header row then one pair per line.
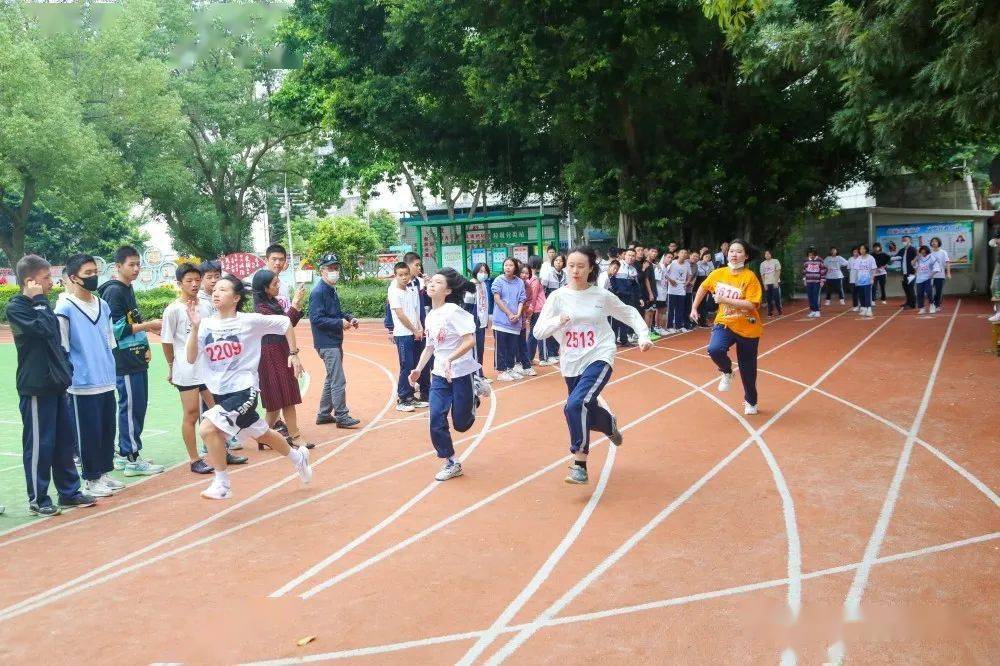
x,y
852,603
81,582
390,519
12,467
522,636
378,557
624,610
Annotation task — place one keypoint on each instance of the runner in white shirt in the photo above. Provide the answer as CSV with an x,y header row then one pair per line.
x,y
940,275
852,277
455,386
577,315
183,375
227,349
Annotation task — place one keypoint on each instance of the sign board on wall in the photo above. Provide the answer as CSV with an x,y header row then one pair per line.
x,y
386,262
497,257
451,255
479,256
956,239
520,252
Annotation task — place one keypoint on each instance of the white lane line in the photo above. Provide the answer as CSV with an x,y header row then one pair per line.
x,y
239,469
794,558
794,546
852,603
547,567
961,471
625,610
378,557
81,582
390,519
522,636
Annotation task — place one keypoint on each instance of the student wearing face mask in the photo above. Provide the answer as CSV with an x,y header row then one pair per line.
x,y
328,323
477,304
738,293
88,337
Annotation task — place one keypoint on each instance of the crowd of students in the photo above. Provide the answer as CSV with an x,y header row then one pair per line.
x,y
83,365
923,272
82,371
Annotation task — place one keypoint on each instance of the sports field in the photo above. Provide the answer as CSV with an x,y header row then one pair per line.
x,y
855,518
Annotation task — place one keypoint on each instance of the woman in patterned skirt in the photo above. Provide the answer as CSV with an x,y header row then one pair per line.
x,y
279,389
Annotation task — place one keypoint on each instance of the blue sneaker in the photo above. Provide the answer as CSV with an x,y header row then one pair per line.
x,y
142,468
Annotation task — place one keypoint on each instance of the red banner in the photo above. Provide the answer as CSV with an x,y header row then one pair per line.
x,y
242,264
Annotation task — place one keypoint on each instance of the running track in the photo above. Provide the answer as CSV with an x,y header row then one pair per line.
x,y
855,518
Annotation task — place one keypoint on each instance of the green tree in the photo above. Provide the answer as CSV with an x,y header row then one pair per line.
x,y
920,79
100,233
658,124
347,236
49,154
385,226
386,81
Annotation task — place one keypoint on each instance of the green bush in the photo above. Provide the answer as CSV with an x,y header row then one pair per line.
x,y
365,299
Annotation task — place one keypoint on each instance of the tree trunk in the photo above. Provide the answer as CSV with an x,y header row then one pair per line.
x,y
626,228
415,192
12,239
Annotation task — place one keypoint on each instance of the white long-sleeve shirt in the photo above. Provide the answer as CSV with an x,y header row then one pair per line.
x,y
587,336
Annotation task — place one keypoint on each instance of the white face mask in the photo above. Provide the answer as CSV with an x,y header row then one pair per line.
x,y
736,265
333,276
482,276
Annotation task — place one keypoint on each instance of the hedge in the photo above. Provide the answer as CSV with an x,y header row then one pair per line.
x,y
363,299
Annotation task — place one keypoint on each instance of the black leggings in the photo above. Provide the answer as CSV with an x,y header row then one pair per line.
x,y
835,283
879,284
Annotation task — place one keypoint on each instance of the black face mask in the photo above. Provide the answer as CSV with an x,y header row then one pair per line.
x,y
90,283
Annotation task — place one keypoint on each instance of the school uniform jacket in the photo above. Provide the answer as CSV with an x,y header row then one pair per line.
x,y
42,366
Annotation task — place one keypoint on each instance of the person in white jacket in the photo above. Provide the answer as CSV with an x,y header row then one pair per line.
x,y
577,315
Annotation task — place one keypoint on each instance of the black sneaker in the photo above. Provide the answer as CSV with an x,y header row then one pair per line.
x,y
280,426
80,499
347,422
45,511
199,466
323,420
233,459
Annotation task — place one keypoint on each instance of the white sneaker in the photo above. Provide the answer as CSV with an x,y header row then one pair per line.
x,y
883,302
301,463
95,488
404,406
749,409
505,377
142,468
725,381
841,301
449,471
922,311
217,490
855,308
827,302
933,309
480,387
111,483
995,317
671,331
516,374
816,314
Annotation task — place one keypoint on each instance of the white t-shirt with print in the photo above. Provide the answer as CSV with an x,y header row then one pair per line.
x,y
679,273
446,326
660,273
769,271
229,349
942,256
407,300
834,267
176,328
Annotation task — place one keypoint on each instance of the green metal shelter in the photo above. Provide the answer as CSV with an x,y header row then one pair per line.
x,y
486,238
